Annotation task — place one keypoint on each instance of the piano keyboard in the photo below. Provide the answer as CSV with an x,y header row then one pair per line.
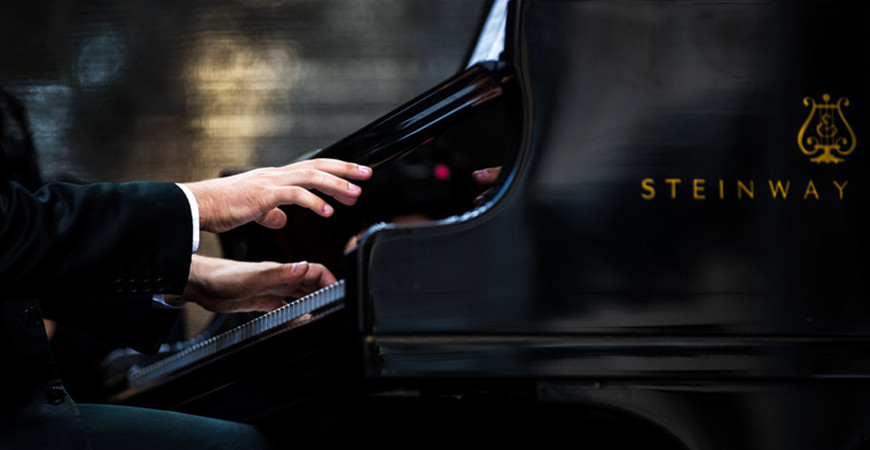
x,y
248,332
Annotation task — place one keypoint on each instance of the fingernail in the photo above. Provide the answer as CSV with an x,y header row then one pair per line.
x,y
365,170
299,268
327,210
479,173
353,188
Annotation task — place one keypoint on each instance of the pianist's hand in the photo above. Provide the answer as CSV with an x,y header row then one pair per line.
x,y
223,285
225,203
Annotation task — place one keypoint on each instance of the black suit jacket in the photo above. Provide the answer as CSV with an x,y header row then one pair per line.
x,y
91,257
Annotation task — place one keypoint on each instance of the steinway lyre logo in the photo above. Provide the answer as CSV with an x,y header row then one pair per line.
x,y
826,135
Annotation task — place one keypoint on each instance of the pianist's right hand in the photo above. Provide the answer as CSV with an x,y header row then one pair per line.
x,y
225,203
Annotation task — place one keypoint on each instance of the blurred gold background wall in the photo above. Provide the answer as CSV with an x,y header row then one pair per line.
x,y
178,90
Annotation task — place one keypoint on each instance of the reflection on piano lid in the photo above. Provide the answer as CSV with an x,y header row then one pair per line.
x,y
326,300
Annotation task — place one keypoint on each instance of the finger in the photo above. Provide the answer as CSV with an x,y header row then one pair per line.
x,y
324,276
340,168
300,269
277,280
261,303
323,181
317,277
302,173
274,219
266,303
349,201
481,199
486,176
351,243
295,195
286,278
258,303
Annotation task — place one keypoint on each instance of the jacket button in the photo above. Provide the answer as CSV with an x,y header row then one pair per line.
x,y
32,317
55,395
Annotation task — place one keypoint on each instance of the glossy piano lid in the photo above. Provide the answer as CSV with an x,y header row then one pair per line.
x,y
424,118
673,177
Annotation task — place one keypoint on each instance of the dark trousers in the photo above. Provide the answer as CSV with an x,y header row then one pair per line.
x,y
113,427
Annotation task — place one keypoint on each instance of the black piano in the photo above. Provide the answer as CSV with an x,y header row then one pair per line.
x,y
674,254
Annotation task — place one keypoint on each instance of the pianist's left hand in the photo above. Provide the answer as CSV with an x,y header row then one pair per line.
x,y
223,285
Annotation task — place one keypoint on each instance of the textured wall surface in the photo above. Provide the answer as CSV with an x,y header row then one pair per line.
x,y
165,90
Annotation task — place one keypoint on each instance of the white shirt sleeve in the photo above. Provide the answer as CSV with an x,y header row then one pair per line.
x,y
194,213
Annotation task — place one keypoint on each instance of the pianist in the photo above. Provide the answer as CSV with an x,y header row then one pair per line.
x,y
115,259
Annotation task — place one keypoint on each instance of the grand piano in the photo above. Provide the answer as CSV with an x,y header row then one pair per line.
x,y
675,254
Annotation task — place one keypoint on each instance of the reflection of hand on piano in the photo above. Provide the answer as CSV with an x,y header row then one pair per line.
x,y
223,285
486,176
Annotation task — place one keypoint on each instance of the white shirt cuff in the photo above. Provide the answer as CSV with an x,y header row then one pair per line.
x,y
194,213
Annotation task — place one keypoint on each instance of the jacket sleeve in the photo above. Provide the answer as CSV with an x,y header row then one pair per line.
x,y
98,239
134,321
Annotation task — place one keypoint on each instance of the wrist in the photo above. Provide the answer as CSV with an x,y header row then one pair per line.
x,y
202,201
194,214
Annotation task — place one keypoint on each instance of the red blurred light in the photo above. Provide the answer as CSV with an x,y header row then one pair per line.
x,y
441,172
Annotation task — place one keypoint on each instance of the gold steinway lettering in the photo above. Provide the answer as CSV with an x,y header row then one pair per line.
x,y
811,190
745,189
841,187
698,189
649,190
673,182
741,188
778,188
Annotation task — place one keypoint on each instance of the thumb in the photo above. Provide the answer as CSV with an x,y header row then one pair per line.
x,y
299,269
277,279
